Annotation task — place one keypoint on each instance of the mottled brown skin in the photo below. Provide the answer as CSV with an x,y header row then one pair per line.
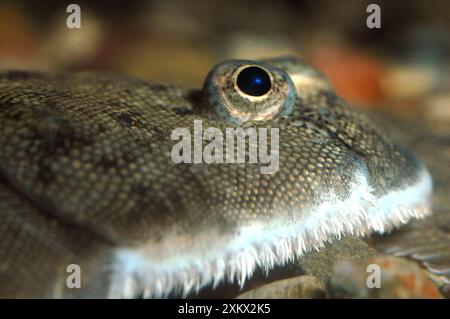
x,y
85,168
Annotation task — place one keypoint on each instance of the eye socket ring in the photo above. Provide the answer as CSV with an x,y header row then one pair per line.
x,y
253,81
244,90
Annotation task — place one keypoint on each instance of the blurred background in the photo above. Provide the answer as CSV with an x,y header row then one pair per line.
x,y
405,63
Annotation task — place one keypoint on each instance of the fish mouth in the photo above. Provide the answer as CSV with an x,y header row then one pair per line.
x,y
265,245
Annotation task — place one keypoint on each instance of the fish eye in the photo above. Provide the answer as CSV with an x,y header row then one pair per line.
x,y
242,90
254,81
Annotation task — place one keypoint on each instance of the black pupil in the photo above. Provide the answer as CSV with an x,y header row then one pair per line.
x,y
254,81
